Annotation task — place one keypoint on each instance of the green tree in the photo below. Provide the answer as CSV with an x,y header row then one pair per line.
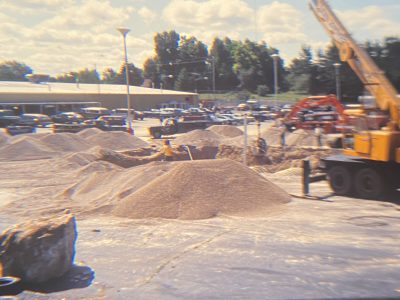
x,y
150,70
225,78
193,56
300,71
135,75
183,81
14,71
109,76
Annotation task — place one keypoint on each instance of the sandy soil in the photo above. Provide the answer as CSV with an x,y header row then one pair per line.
x,y
332,248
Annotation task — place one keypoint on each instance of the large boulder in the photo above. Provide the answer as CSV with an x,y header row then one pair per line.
x,y
37,251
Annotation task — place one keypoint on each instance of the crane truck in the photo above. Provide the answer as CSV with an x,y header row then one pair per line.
x,y
369,164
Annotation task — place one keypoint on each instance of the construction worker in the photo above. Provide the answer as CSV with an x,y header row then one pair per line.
x,y
282,133
318,135
167,152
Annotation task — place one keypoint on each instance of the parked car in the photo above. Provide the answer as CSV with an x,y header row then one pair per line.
x,y
20,129
7,117
94,112
171,112
231,119
67,118
137,115
37,120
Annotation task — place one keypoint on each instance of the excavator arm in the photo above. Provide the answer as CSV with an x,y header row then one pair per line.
x,y
361,63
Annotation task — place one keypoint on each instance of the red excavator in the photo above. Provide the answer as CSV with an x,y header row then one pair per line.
x,y
325,112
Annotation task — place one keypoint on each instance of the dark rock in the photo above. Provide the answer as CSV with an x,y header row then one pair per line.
x,y
40,250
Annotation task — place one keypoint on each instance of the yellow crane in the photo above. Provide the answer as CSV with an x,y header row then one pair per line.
x,y
370,164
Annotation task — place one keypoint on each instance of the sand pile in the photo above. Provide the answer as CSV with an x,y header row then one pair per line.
x,y
65,142
199,138
102,185
89,132
271,136
3,138
82,158
26,148
301,137
204,189
116,140
226,130
97,167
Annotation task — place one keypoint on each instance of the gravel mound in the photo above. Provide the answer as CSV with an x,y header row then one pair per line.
x,y
26,148
89,132
226,130
4,137
301,137
116,140
204,189
199,138
65,142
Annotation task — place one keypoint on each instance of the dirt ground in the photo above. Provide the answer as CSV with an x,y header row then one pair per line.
x,y
337,247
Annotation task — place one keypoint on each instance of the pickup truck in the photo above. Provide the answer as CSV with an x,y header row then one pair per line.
x,y
188,123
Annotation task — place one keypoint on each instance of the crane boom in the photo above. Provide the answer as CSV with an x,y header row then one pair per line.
x,y
361,63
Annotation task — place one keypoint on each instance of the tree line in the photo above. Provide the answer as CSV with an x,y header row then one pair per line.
x,y
187,64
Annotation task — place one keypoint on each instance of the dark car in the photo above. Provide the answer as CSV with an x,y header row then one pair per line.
x,y
37,120
67,118
7,117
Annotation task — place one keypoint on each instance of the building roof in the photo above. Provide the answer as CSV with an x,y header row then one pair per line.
x,y
24,87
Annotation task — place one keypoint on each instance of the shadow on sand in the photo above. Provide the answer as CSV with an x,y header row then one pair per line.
x,y
77,277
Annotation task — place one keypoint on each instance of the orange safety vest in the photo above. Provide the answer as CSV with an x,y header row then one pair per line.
x,y
167,150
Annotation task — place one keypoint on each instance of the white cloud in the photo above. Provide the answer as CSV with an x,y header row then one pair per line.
x,y
207,15
146,14
281,23
371,22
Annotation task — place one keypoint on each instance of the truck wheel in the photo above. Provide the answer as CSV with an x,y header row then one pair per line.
x,y
369,184
340,180
157,135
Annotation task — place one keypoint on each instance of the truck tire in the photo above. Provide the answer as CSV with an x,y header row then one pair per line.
x,y
369,184
10,286
340,180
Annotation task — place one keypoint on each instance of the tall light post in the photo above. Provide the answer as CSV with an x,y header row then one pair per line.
x,y
337,76
124,32
275,58
213,74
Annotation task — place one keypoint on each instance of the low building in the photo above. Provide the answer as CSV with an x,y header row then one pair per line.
x,y
52,97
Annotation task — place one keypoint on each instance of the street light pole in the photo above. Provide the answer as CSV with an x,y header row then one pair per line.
x,y
213,75
275,58
124,32
337,76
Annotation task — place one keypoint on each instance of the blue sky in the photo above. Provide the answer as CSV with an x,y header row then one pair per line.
x,y
56,36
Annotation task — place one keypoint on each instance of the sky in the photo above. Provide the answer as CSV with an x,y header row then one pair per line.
x,y
57,36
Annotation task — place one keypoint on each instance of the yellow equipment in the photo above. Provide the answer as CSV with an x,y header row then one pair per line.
x,y
370,164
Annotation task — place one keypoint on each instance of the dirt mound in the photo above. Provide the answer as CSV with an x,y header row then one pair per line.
x,y
301,137
204,189
26,148
289,172
271,136
226,130
65,142
88,132
4,137
97,167
81,158
101,185
199,138
116,140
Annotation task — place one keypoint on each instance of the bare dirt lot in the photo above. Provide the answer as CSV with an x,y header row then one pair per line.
x,y
307,249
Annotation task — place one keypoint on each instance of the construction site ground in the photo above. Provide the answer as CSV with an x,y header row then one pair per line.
x,y
332,248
